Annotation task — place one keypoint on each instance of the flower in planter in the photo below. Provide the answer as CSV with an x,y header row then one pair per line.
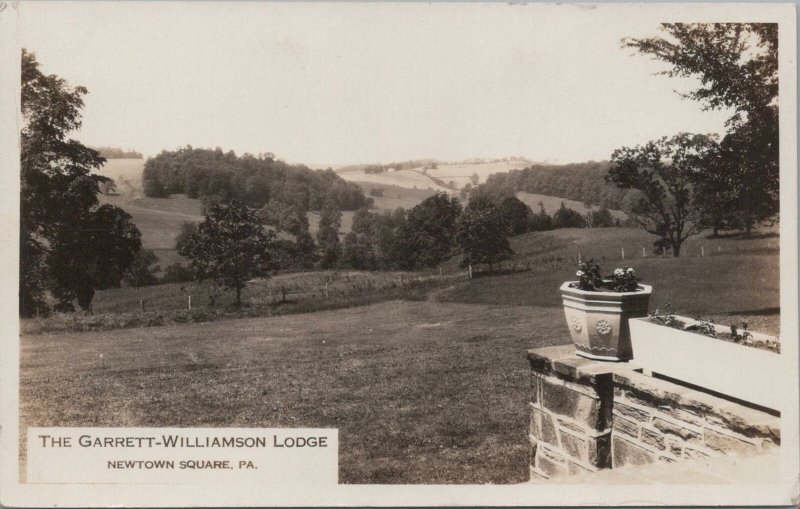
x,y
590,279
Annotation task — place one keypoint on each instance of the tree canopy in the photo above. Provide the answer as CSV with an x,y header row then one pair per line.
x,y
231,246
665,172
737,66
69,244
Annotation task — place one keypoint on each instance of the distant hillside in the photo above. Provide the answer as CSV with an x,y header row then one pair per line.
x,y
551,204
214,175
582,182
410,179
118,153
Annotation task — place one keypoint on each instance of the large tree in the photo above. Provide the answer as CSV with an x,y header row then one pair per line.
x,y
330,221
70,245
231,246
430,232
481,234
737,65
665,172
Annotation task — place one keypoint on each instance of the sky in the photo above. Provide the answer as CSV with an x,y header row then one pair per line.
x,y
335,84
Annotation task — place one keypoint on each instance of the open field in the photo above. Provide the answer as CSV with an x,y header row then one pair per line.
x,y
460,174
395,196
409,179
736,280
553,203
421,392
127,174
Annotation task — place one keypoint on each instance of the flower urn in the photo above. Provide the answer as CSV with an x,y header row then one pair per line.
x,y
598,321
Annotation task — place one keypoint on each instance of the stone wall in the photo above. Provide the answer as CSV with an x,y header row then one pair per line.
x,y
587,415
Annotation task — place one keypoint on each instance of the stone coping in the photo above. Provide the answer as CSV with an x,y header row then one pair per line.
x,y
562,362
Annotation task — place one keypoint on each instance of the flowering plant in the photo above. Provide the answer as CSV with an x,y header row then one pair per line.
x,y
590,279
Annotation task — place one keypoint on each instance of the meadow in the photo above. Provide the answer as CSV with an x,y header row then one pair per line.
x,y
461,174
552,203
421,392
425,378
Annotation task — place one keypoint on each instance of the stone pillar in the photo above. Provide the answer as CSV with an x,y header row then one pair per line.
x,y
587,415
571,415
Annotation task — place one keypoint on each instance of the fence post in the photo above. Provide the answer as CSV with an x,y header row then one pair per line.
x,y
326,290
441,276
623,252
141,305
470,271
283,293
644,253
702,250
190,302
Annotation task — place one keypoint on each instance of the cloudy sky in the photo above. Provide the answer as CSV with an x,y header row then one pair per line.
x,y
333,84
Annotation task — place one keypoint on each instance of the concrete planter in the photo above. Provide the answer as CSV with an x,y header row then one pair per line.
x,y
598,321
742,372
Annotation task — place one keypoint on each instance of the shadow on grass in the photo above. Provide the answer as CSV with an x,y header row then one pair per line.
x,y
744,236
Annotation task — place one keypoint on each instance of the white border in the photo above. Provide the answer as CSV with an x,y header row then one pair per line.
x,y
784,491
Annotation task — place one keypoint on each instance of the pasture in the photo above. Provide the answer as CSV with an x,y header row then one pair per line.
x,y
422,392
409,179
461,174
394,196
552,203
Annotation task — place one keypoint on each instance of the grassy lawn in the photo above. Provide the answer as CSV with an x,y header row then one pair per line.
x,y
422,392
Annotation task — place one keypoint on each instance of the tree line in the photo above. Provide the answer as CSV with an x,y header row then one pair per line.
x,y
117,153
215,176
583,182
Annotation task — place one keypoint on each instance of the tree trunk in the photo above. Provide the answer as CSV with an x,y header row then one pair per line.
x,y
238,296
715,234
676,249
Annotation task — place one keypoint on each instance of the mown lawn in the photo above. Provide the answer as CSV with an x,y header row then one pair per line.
x,y
422,392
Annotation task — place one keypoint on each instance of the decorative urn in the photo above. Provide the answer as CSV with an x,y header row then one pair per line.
x,y
598,321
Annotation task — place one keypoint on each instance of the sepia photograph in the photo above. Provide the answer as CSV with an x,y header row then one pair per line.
x,y
460,252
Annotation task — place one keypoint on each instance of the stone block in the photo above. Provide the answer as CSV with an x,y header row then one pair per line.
x,y
568,400
564,423
537,475
727,444
626,426
535,388
574,446
576,468
653,438
542,426
550,462
695,453
631,412
677,430
675,446
682,415
628,453
600,451
746,421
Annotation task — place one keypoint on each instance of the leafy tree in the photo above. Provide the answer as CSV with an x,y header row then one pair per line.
x,y
664,172
185,233
290,218
516,215
481,235
231,246
602,218
566,217
541,221
142,271
737,65
306,251
69,244
177,273
431,229
330,221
